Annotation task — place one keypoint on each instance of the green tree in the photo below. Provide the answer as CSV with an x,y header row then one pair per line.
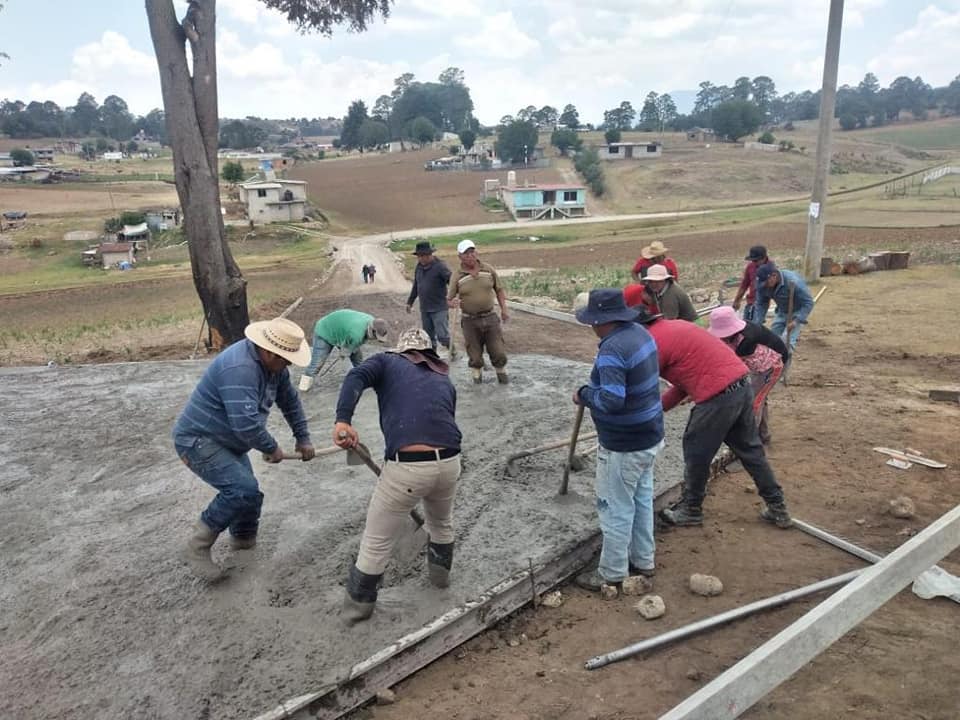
x,y
650,113
132,217
356,115
546,117
85,115
564,139
132,147
620,117
764,93
232,171
373,133
848,121
735,118
116,118
742,89
382,108
516,141
767,138
21,157
102,145
189,88
666,110
467,139
570,117
612,135
88,151
422,130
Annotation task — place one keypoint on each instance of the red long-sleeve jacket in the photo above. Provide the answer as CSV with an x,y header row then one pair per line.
x,y
696,363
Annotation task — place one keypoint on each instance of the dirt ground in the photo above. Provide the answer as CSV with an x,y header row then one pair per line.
x,y
86,198
394,192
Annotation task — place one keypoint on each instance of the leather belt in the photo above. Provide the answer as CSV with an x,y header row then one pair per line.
x,y
425,455
735,385
476,315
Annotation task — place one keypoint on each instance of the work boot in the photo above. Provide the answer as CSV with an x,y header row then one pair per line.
x,y
645,572
361,595
197,552
681,514
439,562
591,580
777,514
243,543
502,377
477,375
306,382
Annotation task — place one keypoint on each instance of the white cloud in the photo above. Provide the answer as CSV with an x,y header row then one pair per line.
x,y
498,36
929,48
264,20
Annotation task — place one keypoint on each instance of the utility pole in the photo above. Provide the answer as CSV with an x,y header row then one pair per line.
x,y
828,98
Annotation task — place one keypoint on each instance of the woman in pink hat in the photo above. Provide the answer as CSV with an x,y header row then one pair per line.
x,y
761,350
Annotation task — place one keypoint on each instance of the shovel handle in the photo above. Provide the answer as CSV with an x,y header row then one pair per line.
x,y
577,421
297,456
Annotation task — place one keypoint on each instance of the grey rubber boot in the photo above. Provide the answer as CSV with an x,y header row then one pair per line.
x,y
477,374
361,595
777,514
197,552
502,377
439,562
682,515
244,543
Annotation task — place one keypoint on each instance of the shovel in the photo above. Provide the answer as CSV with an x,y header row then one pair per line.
x,y
578,420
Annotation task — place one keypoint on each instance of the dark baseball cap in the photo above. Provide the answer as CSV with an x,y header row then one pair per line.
x,y
765,271
757,252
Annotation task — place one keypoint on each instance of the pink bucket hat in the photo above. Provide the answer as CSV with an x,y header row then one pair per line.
x,y
724,322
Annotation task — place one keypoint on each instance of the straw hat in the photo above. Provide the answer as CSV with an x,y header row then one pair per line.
x,y
654,249
657,272
282,337
724,322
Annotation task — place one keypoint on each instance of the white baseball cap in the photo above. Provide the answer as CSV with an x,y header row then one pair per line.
x,y
465,245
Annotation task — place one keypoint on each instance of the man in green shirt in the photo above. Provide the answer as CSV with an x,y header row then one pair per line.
x,y
672,301
344,329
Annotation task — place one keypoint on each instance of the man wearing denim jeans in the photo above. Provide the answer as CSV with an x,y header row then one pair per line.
x,y
792,298
624,401
345,329
430,280
225,418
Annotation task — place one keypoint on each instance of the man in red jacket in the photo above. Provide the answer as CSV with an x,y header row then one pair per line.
x,y
702,368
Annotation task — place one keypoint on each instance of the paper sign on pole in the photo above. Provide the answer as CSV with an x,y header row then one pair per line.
x,y
814,210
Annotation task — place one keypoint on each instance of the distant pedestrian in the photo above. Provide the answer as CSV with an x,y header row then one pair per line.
x,y
670,300
372,272
347,330
748,283
365,271
475,288
702,368
654,254
430,280
764,354
791,297
624,401
225,418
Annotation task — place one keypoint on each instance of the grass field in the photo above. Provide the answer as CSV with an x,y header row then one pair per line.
x,y
933,135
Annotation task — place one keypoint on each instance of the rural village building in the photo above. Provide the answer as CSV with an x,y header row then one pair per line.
x,y
6,160
138,236
703,135
630,151
765,147
269,201
158,220
113,155
113,253
537,202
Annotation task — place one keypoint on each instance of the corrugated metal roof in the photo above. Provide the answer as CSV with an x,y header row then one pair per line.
x,y
114,247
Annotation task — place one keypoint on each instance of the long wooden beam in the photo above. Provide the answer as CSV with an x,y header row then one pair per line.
x,y
737,689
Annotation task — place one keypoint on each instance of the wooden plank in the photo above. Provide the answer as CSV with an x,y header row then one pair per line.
x,y
542,312
910,457
737,689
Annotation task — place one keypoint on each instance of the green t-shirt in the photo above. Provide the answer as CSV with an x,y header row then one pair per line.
x,y
345,329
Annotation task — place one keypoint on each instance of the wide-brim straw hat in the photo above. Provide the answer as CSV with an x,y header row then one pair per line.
x,y
658,272
654,249
724,322
282,337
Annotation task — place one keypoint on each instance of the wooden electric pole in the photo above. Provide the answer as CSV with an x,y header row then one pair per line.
x,y
828,98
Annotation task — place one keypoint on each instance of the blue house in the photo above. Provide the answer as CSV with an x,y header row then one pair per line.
x,y
536,202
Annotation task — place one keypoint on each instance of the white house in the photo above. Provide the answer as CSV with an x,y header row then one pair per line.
x,y
113,155
630,151
269,201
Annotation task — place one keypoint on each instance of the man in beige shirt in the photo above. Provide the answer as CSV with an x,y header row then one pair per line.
x,y
475,288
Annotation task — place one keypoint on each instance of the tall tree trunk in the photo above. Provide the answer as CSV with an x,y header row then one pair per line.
x,y
190,105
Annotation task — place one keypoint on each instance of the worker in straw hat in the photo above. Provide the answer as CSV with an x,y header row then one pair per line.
x,y
653,254
225,418
670,299
421,460
347,330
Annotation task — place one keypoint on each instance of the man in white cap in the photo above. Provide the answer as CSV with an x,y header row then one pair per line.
x,y
417,405
475,288
225,418
347,330
670,299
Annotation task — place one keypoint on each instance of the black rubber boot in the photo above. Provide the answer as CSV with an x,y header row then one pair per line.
x,y
682,515
361,595
439,562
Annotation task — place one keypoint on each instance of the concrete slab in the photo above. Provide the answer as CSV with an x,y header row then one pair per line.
x,y
99,617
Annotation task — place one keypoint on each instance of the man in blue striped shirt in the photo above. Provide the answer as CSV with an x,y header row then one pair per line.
x,y
624,401
225,418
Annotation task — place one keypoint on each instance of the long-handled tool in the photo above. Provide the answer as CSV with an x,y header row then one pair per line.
x,y
360,455
555,445
578,420
453,331
297,456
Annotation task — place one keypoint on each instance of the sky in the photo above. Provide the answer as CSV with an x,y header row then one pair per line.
x,y
525,52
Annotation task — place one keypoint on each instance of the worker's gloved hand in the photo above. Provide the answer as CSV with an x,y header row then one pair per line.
x,y
274,457
345,436
306,451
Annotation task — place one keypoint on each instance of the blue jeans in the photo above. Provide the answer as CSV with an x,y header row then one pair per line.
x,y
624,486
238,502
437,325
321,351
751,314
779,325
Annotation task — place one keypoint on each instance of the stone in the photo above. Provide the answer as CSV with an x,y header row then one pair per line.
x,y
636,585
386,697
694,674
902,507
513,642
861,521
609,592
706,585
552,599
650,607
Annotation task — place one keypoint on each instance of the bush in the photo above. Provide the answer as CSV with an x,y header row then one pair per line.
x,y
848,121
21,157
564,139
587,163
612,135
767,138
786,145
132,218
232,171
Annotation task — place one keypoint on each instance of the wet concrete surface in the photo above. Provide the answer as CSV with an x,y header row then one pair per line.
x,y
101,619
